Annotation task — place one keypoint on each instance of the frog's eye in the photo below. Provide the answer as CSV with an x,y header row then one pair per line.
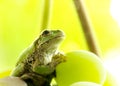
x,y
46,32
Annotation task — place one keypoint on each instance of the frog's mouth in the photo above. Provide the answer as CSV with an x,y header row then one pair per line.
x,y
56,39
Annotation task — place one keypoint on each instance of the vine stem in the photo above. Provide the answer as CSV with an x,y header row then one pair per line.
x,y
46,14
87,27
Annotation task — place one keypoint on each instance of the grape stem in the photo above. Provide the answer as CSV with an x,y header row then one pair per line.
x,y
46,14
86,26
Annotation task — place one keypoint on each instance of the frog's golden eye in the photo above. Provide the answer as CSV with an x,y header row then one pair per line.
x,y
46,32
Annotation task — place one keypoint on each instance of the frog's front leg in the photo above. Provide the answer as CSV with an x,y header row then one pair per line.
x,y
50,67
18,70
57,59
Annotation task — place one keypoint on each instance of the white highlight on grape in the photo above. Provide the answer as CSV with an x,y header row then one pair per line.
x,y
112,64
115,10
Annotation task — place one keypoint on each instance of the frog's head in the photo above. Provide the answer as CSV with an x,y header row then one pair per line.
x,y
49,40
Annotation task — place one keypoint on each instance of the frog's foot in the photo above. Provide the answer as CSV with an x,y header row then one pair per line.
x,y
57,59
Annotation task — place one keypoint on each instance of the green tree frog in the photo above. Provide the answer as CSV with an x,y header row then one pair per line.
x,y
36,65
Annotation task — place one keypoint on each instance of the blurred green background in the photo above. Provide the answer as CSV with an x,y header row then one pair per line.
x,y
20,23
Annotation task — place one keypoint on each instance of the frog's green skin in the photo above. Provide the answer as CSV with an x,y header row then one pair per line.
x,y
37,63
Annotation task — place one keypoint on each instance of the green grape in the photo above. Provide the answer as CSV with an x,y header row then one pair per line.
x,y
85,84
80,66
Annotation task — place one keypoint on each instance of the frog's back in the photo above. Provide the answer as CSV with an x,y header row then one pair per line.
x,y
23,56
19,68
